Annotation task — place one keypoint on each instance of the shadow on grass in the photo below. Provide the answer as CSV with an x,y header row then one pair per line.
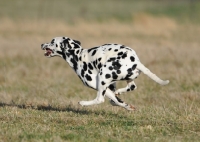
x,y
69,108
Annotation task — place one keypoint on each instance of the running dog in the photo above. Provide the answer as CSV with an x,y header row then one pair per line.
x,y
101,67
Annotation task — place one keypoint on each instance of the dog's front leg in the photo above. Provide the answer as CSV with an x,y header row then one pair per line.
x,y
100,96
99,99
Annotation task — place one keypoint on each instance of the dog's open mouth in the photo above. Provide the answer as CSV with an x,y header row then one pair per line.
x,y
48,52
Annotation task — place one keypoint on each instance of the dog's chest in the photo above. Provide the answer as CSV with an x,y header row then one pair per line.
x,y
88,69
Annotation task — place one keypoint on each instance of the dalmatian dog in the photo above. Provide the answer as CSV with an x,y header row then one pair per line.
x,y
101,67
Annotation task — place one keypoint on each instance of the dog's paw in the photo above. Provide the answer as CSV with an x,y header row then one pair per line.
x,y
130,107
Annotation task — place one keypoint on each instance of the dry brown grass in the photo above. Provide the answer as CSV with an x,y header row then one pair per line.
x,y
169,49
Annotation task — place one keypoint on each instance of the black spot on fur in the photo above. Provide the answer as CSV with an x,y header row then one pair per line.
x,y
92,49
114,75
107,76
116,50
89,71
124,55
118,71
112,59
82,73
132,59
128,89
99,65
132,87
110,68
88,77
120,53
77,51
94,52
129,71
94,64
80,58
75,65
84,66
116,65
99,59
71,52
134,66
121,47
56,45
102,83
103,93
109,49
90,66
128,76
112,87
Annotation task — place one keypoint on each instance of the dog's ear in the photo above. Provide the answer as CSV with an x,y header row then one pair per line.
x,y
70,43
78,42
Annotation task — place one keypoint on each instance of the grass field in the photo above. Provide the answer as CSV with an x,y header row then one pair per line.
x,y
38,96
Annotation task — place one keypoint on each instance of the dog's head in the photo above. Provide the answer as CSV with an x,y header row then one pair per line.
x,y
60,46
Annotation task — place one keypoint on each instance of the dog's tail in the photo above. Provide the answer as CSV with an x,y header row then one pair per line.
x,y
146,71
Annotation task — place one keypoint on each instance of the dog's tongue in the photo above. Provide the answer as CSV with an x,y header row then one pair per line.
x,y
48,52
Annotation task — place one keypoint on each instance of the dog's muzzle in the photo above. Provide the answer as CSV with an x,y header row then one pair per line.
x,y
48,51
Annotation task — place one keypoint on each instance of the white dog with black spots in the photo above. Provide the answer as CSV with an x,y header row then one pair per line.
x,y
101,67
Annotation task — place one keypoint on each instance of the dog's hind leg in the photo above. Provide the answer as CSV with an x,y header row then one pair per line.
x,y
112,96
130,87
112,87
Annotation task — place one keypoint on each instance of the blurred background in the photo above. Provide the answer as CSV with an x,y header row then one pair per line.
x,y
164,33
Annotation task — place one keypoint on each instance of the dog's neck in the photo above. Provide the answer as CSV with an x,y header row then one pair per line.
x,y
73,55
